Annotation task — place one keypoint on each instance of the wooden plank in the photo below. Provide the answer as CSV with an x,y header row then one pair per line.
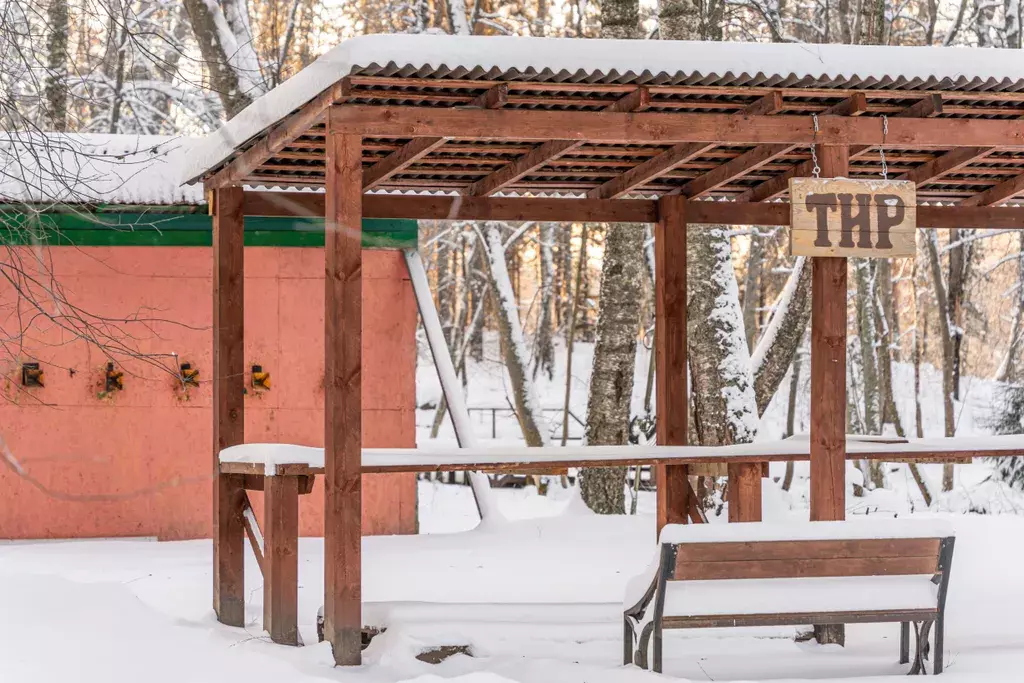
x,y
828,370
997,194
343,399
670,355
399,160
805,568
807,550
524,165
744,492
674,157
637,100
228,404
799,618
252,528
671,128
945,163
286,131
844,217
281,560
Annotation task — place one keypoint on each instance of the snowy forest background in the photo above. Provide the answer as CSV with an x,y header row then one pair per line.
x,y
553,323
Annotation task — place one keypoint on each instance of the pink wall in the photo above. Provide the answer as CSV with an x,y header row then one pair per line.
x,y
139,462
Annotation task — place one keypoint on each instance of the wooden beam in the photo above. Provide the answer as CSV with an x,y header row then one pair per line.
x,y
670,355
343,397
278,138
281,559
637,100
228,404
494,97
598,210
671,128
673,157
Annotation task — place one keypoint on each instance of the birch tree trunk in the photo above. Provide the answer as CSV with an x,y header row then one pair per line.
x,y
780,342
725,407
752,287
618,320
946,338
56,83
1007,371
611,380
221,28
528,412
544,350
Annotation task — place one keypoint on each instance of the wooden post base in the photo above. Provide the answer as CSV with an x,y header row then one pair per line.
x,y
281,559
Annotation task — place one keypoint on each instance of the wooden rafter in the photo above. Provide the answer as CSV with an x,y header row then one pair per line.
x,y
762,154
998,194
402,158
656,127
634,101
928,107
945,163
278,138
674,157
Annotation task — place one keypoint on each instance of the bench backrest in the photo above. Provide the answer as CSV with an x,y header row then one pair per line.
x,y
806,558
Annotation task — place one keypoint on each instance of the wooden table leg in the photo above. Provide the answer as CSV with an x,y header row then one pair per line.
x,y
281,559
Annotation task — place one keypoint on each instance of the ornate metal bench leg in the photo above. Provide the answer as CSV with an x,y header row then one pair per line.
x,y
657,650
905,642
643,645
627,641
921,629
940,629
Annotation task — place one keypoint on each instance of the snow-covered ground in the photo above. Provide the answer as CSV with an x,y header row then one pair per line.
x,y
537,598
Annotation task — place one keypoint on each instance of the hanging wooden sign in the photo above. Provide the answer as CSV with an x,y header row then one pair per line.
x,y
843,217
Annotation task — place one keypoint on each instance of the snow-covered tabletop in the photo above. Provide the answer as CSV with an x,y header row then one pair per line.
x,y
272,456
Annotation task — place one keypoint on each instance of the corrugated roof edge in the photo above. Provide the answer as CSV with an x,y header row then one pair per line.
x,y
642,62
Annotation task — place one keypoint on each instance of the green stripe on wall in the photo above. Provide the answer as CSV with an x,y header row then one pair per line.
x,y
186,230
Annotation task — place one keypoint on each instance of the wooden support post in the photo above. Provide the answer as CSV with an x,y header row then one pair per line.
x,y
670,354
228,405
281,559
343,410
745,492
828,381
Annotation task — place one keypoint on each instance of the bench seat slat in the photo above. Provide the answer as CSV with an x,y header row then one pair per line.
x,y
799,618
799,595
797,568
807,549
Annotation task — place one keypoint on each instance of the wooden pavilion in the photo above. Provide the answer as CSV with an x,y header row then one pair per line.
x,y
661,132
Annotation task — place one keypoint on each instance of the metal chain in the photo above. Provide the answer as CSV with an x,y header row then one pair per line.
x,y
815,169
881,150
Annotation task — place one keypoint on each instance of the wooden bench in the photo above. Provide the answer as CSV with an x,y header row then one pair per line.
x,y
731,575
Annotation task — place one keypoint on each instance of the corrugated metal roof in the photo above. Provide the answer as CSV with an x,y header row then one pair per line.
x,y
599,62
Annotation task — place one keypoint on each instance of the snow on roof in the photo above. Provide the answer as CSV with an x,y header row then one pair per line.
x,y
650,62
76,168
